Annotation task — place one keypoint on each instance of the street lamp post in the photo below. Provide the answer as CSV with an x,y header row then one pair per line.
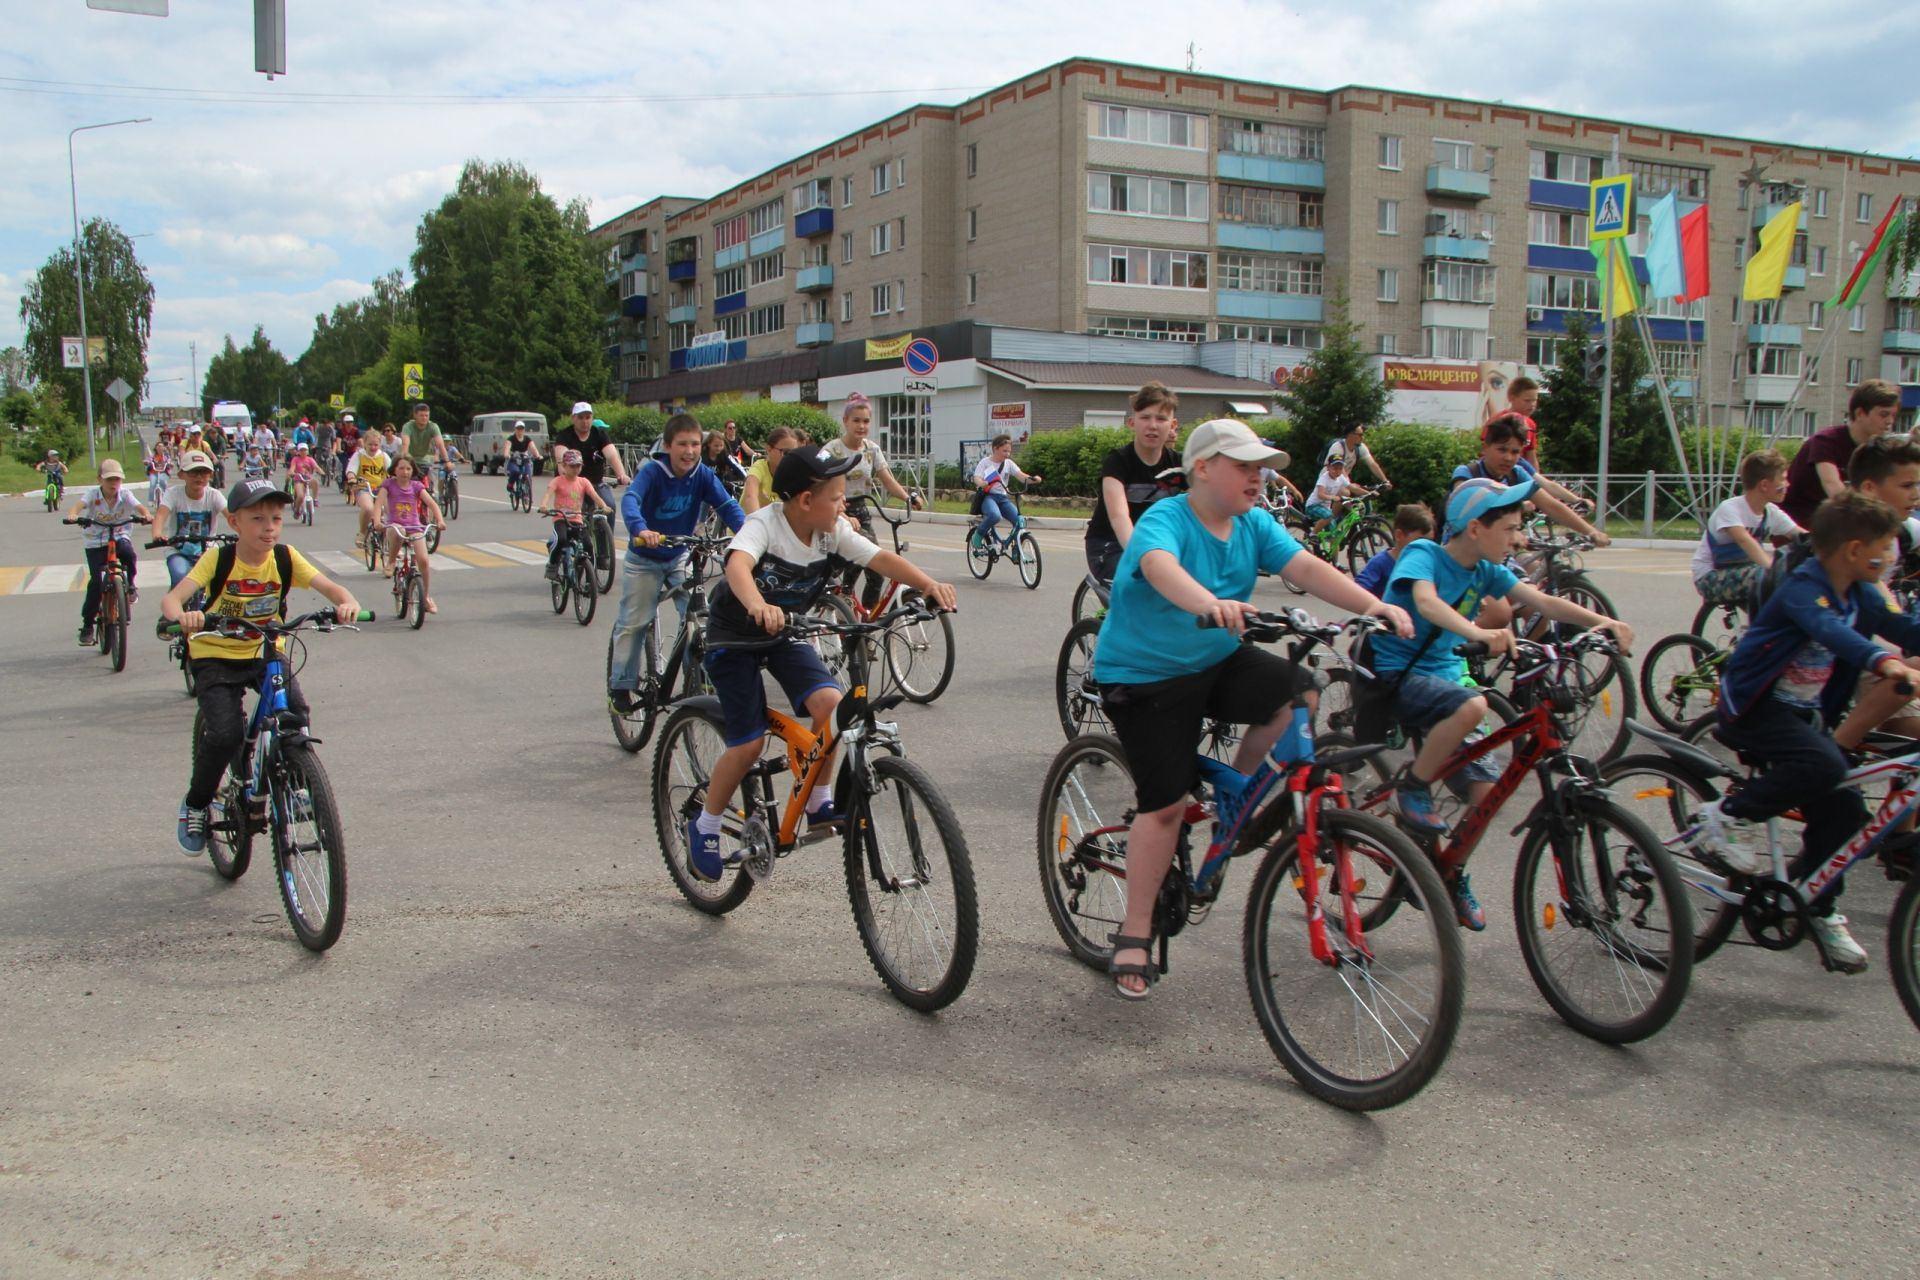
x,y
80,277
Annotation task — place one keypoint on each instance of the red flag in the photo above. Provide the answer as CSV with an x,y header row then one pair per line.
x,y
1693,254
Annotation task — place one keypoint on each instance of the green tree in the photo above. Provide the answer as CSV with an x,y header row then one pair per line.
x,y
257,375
119,309
375,393
16,370
352,337
1335,388
1569,414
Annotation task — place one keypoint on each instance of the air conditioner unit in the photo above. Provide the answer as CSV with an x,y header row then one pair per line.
x,y
1536,314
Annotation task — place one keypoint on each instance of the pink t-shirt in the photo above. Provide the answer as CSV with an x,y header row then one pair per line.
x,y
568,494
404,507
303,466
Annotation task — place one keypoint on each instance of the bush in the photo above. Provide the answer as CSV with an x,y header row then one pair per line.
x,y
51,426
633,424
1071,460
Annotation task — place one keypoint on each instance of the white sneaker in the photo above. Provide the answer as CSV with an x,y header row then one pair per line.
x,y
1730,839
1847,955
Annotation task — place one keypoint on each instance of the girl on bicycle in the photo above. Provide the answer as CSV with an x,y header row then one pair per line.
x,y
759,490
1135,476
403,505
990,478
869,468
303,475
568,494
715,456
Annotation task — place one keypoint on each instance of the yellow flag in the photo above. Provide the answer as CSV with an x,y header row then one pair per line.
x,y
1625,298
1767,268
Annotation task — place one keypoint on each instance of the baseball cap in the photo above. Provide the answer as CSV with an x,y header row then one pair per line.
x,y
194,460
1480,497
248,492
804,467
1231,438
572,458
346,417
112,470
581,406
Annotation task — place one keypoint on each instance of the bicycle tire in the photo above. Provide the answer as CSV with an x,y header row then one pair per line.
x,y
1597,727
1418,995
1301,529
1676,693
103,632
1715,622
229,841
689,743
1580,589
603,562
1903,948
1650,984
433,538
1082,610
561,588
186,673
113,633
1080,898
452,503
316,923
979,555
910,860
413,602
832,647
586,594
918,649
1368,539
1666,795
633,730
1027,559
1076,693
373,551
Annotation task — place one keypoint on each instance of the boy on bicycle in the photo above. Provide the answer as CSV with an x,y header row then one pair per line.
x,y
1329,492
190,506
1503,446
567,496
1445,584
778,564
402,506
990,478
109,502
1161,678
1411,521
668,498
1735,550
260,572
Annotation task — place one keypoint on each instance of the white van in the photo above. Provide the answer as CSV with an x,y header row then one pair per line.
x,y
233,418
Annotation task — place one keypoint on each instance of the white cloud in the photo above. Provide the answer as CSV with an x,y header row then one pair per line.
x,y
249,253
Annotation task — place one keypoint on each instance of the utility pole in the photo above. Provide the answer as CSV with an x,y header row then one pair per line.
x,y
193,354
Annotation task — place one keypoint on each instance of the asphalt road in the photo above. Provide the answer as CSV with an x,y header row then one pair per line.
x,y
528,1057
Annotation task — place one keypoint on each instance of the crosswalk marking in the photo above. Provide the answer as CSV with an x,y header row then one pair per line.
x,y
337,561
472,558
11,577
507,551
55,577
442,563
530,544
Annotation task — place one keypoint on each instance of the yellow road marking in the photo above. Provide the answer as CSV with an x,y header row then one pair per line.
x,y
528,544
11,576
467,555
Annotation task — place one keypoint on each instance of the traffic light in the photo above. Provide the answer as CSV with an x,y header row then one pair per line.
x,y
1596,366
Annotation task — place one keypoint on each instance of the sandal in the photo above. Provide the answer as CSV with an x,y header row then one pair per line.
x,y
1148,972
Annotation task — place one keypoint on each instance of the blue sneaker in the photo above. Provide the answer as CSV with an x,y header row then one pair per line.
x,y
191,831
703,853
1466,907
827,815
1414,802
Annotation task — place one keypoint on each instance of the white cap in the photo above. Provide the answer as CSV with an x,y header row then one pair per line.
x,y
581,406
1234,439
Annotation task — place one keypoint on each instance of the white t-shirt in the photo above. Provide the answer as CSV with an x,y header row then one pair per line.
x,y
789,573
860,479
94,507
1329,486
994,474
1734,513
192,517
1352,457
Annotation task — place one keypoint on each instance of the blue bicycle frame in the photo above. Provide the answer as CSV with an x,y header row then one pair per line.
x,y
1238,796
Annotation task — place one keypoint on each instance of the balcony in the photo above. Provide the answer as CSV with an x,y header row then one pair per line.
x,y
1773,335
1901,341
1464,248
634,305
1291,307
1796,278
680,271
731,256
731,303
814,222
1549,194
814,279
1458,184
1766,212
1264,239
1308,175
766,242
1769,388
634,262
682,315
813,335
677,360
613,273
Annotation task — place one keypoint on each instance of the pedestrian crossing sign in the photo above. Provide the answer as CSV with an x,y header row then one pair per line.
x,y
1610,207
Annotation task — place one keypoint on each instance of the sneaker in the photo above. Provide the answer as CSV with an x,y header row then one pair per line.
x,y
827,815
553,572
191,830
1841,950
88,636
1466,907
133,594
625,701
1728,839
1414,802
703,853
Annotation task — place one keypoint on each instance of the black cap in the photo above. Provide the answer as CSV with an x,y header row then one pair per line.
x,y
804,468
248,492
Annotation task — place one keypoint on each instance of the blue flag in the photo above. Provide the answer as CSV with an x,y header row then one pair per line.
x,y
1666,277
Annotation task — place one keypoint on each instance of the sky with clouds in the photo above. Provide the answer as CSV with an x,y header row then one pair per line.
x,y
260,202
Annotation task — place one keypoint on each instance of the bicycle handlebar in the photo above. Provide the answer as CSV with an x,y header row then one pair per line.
x,y
1594,641
88,522
205,540
240,629
1266,626
813,625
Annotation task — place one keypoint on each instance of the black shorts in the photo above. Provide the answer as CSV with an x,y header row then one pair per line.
x,y
1103,557
1159,724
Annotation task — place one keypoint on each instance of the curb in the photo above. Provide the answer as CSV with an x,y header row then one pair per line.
x,y
1032,522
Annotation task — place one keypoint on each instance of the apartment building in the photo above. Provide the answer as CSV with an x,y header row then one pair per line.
x,y
1113,217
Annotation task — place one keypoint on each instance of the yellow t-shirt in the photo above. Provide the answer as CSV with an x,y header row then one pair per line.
x,y
372,468
252,592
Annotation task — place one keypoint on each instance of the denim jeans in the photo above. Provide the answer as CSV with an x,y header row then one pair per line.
x,y
642,583
179,564
97,572
1800,767
994,508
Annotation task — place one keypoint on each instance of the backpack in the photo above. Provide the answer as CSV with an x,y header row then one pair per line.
x,y
1785,561
225,558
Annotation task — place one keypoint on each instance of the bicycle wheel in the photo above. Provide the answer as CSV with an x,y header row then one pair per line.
x,y
1718,624
373,551
1580,589
832,647
561,587
114,611
1076,694
1369,538
1026,557
413,602
452,504
229,841
1679,681
1903,948
603,561
1086,807
979,554
1605,699
1667,796
309,849
1369,1025
910,882
1603,918
586,594
690,743
920,656
186,671
1086,602
632,730
433,538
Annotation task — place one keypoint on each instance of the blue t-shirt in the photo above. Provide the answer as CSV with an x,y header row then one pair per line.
x,y
1477,469
1146,637
1427,561
1374,576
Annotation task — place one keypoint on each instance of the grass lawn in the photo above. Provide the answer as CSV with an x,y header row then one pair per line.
x,y
17,476
958,507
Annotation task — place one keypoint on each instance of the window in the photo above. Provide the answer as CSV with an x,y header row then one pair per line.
x,y
685,249
1389,152
1854,369
816,194
1561,166
1389,284
813,311
900,172
1857,319
1543,353
1545,226
1672,309
882,236
1389,218
882,178
1781,362
1458,282
1906,370
734,326
730,233
1447,343
904,425
732,280
1563,292
1265,207
1819,266
768,217
973,159
1144,327
846,307
679,335
1679,361
1269,138
1818,199
1813,371
1150,125
1765,417
1271,273
1816,315
900,234
768,319
973,287
973,224
1155,268
1388,344
1772,311
846,192
767,268
846,246
1904,316
1449,154
882,299
899,295
1863,207
1652,180
1274,335
1146,197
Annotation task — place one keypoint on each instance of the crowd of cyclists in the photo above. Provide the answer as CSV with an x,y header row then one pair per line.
x,y
1816,551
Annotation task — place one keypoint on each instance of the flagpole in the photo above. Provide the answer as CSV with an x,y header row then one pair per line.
x,y
1806,369
1606,384
1666,403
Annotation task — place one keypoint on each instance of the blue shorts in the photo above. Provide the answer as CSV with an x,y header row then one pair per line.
x,y
1319,511
1424,701
743,699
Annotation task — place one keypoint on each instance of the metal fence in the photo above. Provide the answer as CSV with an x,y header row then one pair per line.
x,y
1661,502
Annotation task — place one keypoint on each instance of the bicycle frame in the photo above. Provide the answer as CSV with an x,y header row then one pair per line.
x,y
1334,536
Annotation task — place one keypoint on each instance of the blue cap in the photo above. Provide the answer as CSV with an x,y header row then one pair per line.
x,y
1477,498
